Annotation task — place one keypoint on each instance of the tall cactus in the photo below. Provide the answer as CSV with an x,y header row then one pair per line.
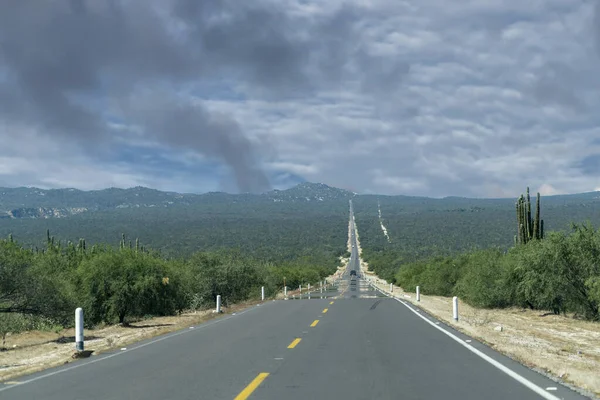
x,y
137,245
528,229
536,223
10,237
81,246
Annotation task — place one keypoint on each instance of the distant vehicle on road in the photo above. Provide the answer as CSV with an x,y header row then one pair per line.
x,y
353,272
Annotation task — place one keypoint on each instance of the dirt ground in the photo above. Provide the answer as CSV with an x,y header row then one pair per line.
x,y
34,351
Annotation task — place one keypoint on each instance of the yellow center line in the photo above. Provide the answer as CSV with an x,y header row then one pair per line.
x,y
294,343
325,310
315,322
331,302
244,394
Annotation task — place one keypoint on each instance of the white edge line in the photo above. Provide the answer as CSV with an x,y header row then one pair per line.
x,y
524,381
160,339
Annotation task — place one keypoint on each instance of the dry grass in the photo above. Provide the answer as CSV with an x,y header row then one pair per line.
x,y
34,351
564,348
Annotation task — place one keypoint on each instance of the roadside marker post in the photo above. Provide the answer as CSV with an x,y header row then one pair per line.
x,y
79,329
455,308
391,288
262,293
418,294
218,303
285,291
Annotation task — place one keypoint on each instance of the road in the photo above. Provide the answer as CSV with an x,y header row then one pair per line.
x,y
340,344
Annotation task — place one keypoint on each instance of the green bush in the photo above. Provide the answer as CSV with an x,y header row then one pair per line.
x,y
484,282
119,285
560,273
15,277
11,323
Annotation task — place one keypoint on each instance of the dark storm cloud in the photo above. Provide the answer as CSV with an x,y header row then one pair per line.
x,y
244,39
590,165
272,51
570,83
596,25
57,50
382,75
65,60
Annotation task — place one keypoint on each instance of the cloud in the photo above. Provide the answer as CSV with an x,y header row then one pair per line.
x,y
548,190
415,97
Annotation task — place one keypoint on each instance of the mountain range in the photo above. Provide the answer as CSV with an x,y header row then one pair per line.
x,y
25,202
278,225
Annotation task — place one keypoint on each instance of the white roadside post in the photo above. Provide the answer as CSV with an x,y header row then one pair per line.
x,y
391,288
418,294
455,308
300,288
262,293
309,288
285,291
218,303
79,329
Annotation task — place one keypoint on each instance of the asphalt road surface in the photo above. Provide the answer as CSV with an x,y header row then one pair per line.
x,y
349,342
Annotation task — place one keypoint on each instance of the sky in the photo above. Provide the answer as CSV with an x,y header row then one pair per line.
x,y
415,97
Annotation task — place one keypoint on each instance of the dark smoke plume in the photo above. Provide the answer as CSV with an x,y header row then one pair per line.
x,y
65,64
